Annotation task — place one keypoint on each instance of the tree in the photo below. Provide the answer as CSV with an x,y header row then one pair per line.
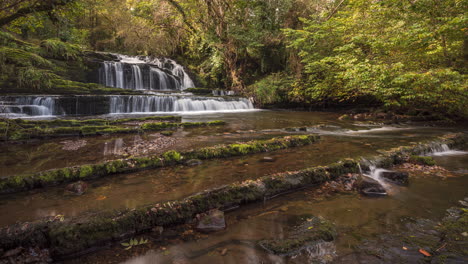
x,y
14,9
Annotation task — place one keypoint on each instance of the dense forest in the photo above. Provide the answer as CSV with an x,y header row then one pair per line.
x,y
407,56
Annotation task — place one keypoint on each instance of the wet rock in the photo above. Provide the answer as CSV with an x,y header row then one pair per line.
x,y
77,188
307,234
73,144
344,117
396,177
211,221
13,252
194,162
29,255
268,159
371,187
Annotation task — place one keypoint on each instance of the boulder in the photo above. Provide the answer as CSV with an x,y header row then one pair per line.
x,y
77,188
396,177
371,187
307,234
211,221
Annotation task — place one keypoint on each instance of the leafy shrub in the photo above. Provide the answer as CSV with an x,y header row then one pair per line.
x,y
57,49
272,89
34,78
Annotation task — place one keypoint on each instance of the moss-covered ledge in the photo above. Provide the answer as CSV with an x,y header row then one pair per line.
x,y
66,236
69,236
388,158
56,176
18,129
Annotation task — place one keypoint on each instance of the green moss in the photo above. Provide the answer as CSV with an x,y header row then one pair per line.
x,y
156,126
422,160
86,171
200,91
172,156
167,133
22,58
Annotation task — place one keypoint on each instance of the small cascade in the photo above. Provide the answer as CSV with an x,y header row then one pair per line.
x,y
144,73
444,150
376,174
29,106
223,93
148,104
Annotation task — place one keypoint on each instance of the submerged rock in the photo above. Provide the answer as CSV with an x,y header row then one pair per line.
x,y
77,188
211,221
311,232
371,187
396,177
268,159
193,162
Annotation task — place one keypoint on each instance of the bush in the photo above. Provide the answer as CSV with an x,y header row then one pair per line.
x,y
272,89
34,78
54,48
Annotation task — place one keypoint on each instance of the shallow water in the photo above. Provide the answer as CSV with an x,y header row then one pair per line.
x,y
356,217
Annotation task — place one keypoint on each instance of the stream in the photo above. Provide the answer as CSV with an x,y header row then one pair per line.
x,y
357,218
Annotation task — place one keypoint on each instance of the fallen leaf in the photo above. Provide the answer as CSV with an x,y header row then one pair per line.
x,y
101,197
424,252
224,252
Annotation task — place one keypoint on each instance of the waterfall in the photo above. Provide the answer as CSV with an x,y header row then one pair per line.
x,y
29,105
223,93
145,104
444,150
16,106
144,73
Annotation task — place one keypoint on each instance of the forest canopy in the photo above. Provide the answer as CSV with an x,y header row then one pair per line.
x,y
403,55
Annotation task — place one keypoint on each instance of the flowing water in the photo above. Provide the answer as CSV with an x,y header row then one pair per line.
x,y
356,217
144,73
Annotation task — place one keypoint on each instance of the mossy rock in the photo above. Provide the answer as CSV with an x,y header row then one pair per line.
x,y
422,160
310,232
200,91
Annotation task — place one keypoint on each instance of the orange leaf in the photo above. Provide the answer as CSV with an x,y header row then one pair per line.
x,y
101,197
424,252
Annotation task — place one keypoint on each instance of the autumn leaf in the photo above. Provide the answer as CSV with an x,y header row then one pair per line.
x,y
424,252
101,197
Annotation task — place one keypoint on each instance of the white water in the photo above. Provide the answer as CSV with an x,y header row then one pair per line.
x,y
157,104
376,174
144,73
30,106
444,150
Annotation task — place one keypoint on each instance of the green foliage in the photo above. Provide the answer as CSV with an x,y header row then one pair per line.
x,y
57,49
22,58
35,79
404,56
134,242
273,89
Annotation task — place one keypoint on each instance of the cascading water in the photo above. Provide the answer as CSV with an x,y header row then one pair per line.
x,y
17,106
144,73
444,150
29,105
147,104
